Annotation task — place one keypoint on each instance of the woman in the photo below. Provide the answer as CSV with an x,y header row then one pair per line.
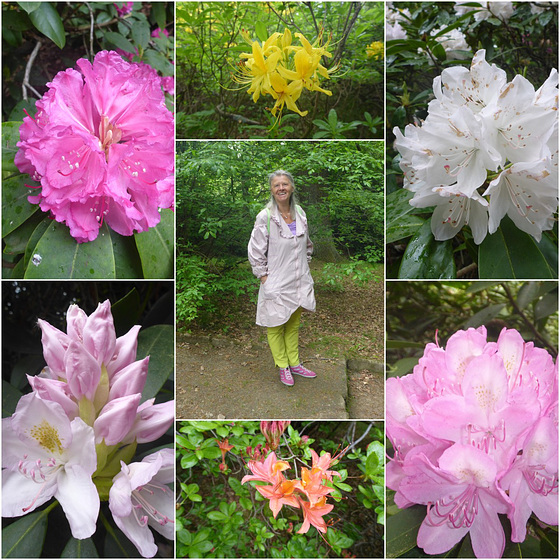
x,y
279,252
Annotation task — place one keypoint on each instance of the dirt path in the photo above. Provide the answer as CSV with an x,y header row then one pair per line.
x,y
220,378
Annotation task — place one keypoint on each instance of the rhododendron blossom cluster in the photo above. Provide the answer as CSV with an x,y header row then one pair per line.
x,y
308,492
487,148
79,428
475,434
101,145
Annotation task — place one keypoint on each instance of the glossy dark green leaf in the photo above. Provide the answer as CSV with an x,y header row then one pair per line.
x,y
155,247
58,255
527,293
25,537
16,241
126,312
398,206
38,232
16,209
403,227
158,343
427,258
484,315
402,530
546,306
47,21
512,254
10,398
10,137
119,41
127,260
53,253
79,548
29,6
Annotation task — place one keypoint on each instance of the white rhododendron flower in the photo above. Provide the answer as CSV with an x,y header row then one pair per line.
x,y
484,137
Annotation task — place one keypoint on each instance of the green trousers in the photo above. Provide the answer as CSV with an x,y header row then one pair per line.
x,y
283,341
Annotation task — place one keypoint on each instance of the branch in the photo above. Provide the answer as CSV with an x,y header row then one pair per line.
x,y
28,66
310,6
282,19
357,6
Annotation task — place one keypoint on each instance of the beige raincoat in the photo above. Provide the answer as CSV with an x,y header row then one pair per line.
x,y
284,257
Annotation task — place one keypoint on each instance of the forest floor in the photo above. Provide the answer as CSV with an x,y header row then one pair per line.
x,y
225,370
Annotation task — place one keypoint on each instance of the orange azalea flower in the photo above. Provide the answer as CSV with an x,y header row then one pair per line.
x,y
281,493
268,470
313,515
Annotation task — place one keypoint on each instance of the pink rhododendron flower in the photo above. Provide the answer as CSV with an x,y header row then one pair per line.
x,y
101,144
157,33
475,434
46,455
140,498
124,8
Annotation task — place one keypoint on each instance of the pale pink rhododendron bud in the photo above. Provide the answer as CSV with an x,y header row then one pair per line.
x,y
94,375
474,430
101,145
140,498
46,455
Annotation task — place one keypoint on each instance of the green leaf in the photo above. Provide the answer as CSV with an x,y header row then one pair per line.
x,y
159,61
344,487
120,42
261,31
16,209
25,537
141,33
29,6
217,516
16,241
512,254
427,258
155,248
47,21
10,398
79,548
402,530
405,226
158,343
10,137
484,316
58,255
398,206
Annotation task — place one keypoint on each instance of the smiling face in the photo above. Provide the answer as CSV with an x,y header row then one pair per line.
x,y
281,189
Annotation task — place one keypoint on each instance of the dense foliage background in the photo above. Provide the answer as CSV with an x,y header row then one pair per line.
x,y
218,517
416,313
40,39
46,532
222,186
527,44
210,103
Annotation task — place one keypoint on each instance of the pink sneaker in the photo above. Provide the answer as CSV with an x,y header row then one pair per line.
x,y
286,376
304,372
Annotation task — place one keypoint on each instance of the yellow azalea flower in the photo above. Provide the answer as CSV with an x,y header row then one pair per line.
x,y
306,65
258,69
285,94
375,50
